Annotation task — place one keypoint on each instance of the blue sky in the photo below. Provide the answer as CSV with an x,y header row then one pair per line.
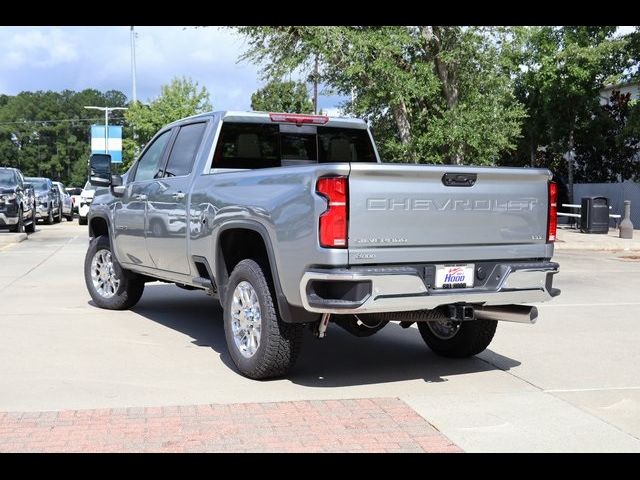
x,y
58,58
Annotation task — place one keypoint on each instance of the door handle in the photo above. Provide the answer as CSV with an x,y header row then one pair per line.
x,y
178,195
140,196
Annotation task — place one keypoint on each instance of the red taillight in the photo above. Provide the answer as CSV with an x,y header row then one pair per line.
x,y
553,212
333,222
298,118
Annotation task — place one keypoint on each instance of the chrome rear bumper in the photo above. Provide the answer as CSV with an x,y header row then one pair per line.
x,y
398,290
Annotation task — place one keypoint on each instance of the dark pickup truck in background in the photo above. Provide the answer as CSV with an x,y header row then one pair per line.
x,y
48,202
17,202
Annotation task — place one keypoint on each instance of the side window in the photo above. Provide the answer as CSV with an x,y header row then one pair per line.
x,y
247,145
183,152
149,163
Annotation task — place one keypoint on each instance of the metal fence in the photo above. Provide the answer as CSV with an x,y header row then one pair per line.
x,y
617,193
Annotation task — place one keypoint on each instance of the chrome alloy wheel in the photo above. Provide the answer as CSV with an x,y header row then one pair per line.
x,y
444,329
104,278
246,319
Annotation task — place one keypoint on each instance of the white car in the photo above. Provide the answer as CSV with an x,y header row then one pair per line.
x,y
86,197
74,192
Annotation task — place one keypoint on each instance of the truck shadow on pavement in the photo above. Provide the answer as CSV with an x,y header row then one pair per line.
x,y
340,359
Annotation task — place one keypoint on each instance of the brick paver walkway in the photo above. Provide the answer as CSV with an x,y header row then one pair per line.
x,y
362,425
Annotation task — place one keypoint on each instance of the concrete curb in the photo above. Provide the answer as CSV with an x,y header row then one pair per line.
x,y
7,238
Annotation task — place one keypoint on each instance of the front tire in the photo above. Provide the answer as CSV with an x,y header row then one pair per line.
x,y
456,339
58,217
109,285
261,345
49,219
82,220
31,228
19,227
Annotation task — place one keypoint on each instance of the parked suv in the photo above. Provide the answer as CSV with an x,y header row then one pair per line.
x,y
47,200
65,201
86,197
16,202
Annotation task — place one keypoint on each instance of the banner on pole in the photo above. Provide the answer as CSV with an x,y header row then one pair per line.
x,y
115,141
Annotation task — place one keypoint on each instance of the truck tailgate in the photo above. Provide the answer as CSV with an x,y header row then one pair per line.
x,y
414,213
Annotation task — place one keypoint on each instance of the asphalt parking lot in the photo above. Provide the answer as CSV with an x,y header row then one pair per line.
x,y
569,383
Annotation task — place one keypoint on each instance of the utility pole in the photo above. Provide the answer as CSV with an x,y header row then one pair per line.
x,y
134,94
315,86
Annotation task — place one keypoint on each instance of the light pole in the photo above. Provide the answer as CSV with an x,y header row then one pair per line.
x,y
106,111
134,96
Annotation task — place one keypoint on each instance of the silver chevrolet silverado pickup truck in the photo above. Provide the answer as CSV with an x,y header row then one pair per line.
x,y
292,221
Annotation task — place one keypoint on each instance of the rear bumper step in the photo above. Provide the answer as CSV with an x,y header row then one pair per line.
x,y
397,289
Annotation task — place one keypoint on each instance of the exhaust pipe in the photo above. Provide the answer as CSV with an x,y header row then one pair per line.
x,y
508,313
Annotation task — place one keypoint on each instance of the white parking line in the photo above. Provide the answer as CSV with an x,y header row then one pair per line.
x,y
568,390
613,304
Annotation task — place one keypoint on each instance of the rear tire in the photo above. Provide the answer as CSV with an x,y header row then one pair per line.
x,y
465,339
109,285
261,344
69,217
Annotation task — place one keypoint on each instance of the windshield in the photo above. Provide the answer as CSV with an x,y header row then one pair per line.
x,y
39,185
7,178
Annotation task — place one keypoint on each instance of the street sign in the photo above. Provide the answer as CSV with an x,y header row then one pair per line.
x,y
115,141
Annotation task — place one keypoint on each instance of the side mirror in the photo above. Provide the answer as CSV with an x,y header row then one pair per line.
x,y
117,187
28,186
100,170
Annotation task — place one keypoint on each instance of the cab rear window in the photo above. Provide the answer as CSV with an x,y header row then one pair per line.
x,y
256,145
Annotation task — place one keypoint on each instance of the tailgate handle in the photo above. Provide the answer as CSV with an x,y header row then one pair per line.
x,y
459,179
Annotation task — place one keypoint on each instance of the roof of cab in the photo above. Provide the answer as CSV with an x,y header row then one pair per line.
x,y
263,117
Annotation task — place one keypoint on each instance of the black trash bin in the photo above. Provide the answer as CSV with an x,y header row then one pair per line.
x,y
594,215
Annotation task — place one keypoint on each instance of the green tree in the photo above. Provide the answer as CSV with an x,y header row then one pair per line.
x,y
606,147
282,96
560,75
180,98
432,94
47,133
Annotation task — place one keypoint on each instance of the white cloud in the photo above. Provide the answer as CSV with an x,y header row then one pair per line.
x,y
38,48
48,58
